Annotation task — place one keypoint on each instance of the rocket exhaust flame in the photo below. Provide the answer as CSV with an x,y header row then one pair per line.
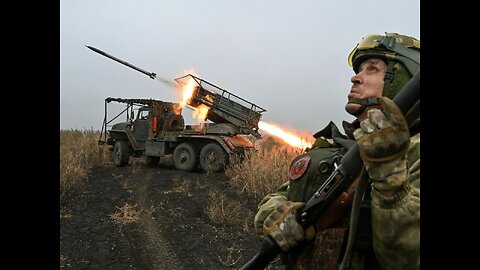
x,y
199,112
288,137
292,138
187,92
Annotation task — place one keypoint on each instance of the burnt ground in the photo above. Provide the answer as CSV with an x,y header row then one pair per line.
x,y
171,229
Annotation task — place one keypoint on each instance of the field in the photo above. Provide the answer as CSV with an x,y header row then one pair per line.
x,y
154,217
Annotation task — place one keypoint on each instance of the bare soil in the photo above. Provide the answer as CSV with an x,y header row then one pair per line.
x,y
171,230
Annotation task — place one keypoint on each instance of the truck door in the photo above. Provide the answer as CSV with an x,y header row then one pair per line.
x,y
141,126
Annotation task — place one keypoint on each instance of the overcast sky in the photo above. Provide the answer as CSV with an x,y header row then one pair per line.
x,y
289,57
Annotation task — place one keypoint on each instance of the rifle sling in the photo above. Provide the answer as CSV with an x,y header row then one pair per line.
x,y
357,198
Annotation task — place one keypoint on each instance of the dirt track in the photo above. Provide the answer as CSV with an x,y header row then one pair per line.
x,y
173,230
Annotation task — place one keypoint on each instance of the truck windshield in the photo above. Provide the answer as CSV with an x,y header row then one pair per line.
x,y
142,114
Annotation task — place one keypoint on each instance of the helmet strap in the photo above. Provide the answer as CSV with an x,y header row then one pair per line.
x,y
364,102
388,79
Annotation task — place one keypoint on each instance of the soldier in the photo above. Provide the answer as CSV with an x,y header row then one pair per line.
x,y
385,234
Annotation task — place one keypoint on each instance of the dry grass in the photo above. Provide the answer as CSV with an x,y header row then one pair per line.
x,y
62,261
79,152
223,211
263,171
126,215
233,256
259,174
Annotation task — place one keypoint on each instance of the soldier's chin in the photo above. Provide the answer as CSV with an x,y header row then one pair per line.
x,y
353,108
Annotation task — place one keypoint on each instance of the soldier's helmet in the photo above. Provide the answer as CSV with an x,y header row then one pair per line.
x,y
401,53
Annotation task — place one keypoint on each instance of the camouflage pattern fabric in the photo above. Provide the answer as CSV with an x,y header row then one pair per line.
x,y
383,141
267,205
283,227
395,220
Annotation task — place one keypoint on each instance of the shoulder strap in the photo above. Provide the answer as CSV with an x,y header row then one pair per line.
x,y
357,199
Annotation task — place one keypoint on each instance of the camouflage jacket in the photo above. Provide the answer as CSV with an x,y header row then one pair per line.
x,y
395,221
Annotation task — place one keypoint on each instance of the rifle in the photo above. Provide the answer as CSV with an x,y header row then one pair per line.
x,y
408,100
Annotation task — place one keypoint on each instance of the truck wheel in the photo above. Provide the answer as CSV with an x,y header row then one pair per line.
x,y
185,157
174,122
152,160
213,158
121,153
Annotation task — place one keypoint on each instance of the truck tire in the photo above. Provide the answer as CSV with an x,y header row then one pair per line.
x,y
185,157
213,158
152,160
121,153
174,122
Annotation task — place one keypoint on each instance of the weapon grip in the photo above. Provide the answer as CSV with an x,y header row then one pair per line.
x,y
267,253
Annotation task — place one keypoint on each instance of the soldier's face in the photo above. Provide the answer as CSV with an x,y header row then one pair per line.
x,y
368,82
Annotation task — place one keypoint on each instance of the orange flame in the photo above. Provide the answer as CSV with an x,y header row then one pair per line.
x,y
298,140
187,92
200,112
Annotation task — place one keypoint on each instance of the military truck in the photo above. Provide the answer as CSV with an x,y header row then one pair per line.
x,y
156,128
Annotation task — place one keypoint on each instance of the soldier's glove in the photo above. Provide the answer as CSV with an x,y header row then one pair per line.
x,y
383,139
283,227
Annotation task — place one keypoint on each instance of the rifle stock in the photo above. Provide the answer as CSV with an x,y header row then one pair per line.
x,y
408,100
